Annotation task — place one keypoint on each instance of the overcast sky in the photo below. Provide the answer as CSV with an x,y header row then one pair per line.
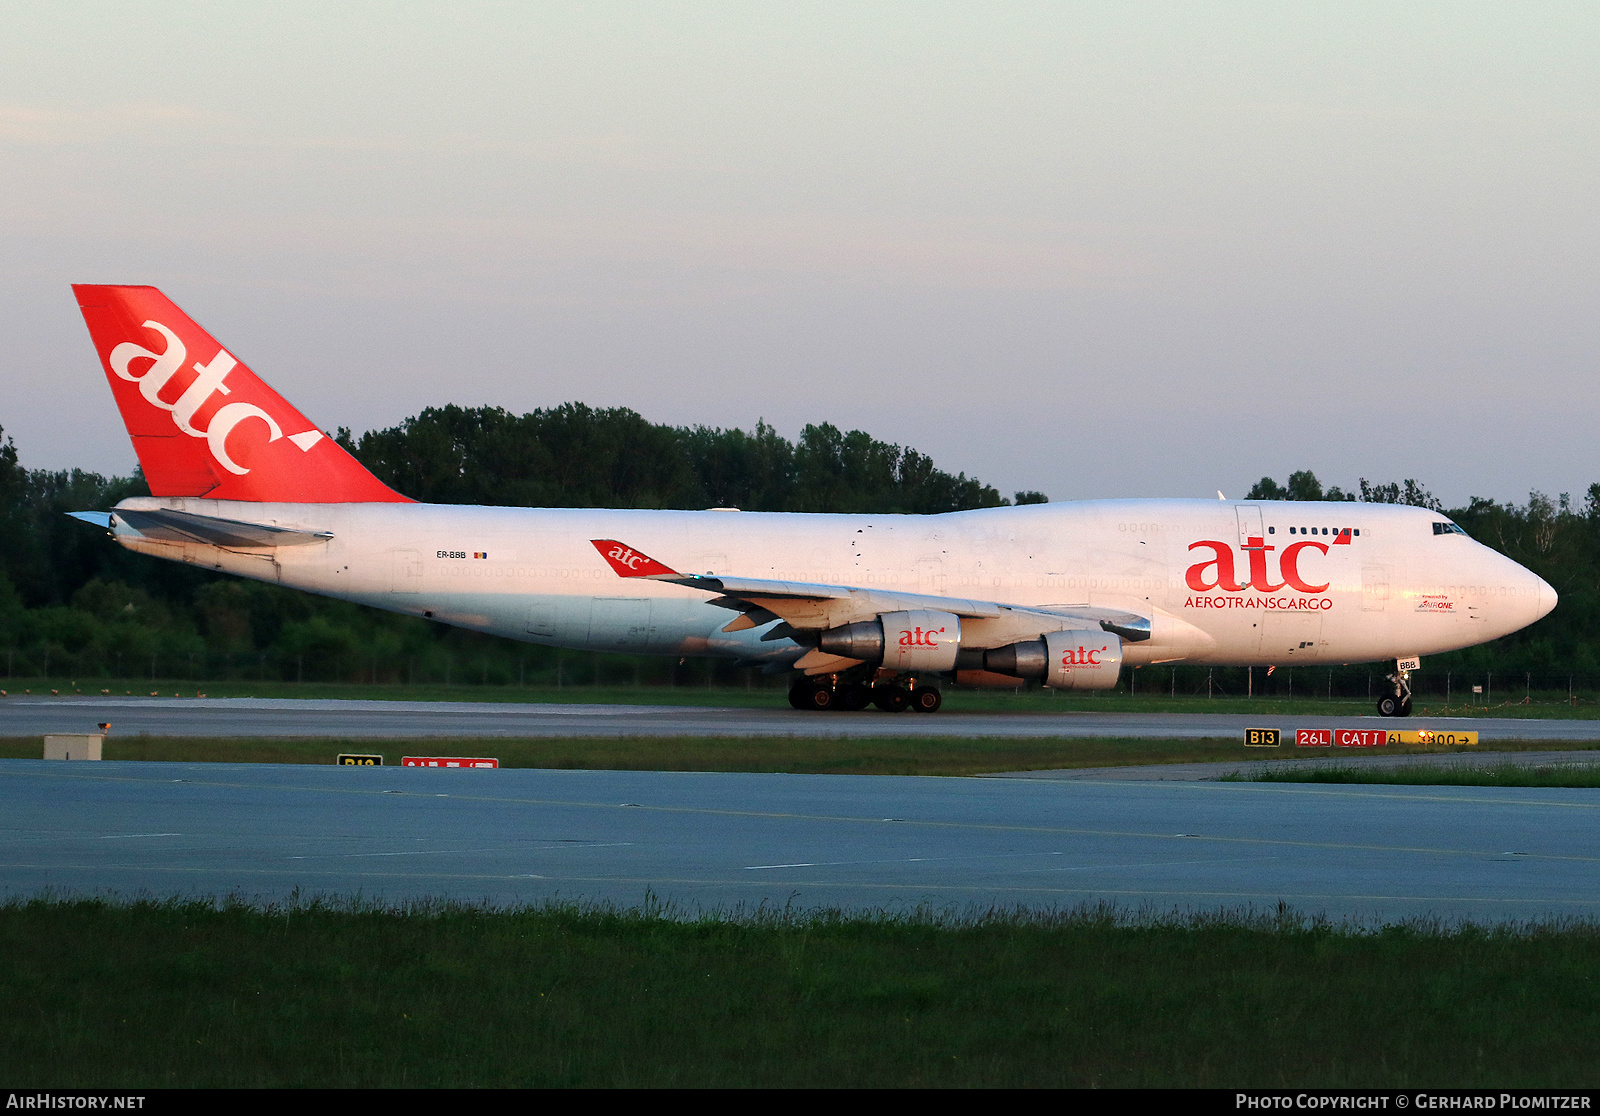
x,y
1094,249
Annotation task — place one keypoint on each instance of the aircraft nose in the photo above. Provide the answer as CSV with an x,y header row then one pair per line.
x,y
1546,597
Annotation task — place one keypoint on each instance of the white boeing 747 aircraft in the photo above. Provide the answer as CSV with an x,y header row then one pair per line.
x,y
863,608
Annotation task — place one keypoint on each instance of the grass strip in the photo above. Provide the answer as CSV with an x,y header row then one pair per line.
x,y
800,755
1500,775
193,994
1546,706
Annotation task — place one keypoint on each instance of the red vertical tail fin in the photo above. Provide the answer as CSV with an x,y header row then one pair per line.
x,y
202,423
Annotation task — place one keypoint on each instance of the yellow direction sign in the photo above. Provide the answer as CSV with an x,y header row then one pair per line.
x,y
1431,736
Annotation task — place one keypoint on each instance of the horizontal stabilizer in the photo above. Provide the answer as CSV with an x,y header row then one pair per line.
x,y
186,527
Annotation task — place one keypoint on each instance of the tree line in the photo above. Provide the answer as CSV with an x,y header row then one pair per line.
x,y
576,456
73,602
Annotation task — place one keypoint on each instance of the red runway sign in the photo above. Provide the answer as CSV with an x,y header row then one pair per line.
x,y
1342,738
447,761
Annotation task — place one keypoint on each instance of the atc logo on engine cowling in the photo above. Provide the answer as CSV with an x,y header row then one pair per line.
x,y
1265,586
1082,656
917,637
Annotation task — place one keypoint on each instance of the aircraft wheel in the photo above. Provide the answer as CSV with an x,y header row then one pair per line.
x,y
1389,706
1405,708
854,698
891,699
926,699
808,695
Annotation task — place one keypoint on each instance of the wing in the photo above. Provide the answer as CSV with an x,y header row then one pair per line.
x,y
808,609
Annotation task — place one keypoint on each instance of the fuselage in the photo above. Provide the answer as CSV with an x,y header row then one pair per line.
x,y
1221,582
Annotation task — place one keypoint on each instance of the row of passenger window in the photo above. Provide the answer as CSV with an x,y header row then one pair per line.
x,y
1318,530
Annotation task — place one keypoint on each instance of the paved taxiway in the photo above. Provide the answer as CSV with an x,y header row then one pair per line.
x,y
263,831
33,716
1322,758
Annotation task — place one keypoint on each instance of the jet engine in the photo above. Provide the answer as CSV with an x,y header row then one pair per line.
x,y
1073,660
920,639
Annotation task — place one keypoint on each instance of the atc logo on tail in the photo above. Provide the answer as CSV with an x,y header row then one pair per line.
x,y
210,427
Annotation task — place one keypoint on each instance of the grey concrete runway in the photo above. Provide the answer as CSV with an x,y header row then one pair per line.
x,y
33,716
848,841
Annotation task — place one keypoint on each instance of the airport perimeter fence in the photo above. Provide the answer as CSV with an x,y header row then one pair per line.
x,y
530,666
1442,688
484,666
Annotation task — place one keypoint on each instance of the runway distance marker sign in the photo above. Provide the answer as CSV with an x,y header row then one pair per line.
x,y
1430,736
447,761
359,759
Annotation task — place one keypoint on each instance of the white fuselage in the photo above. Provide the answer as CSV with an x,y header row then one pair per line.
x,y
1396,588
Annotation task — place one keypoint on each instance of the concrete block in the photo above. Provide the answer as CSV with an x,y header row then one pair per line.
x,y
78,746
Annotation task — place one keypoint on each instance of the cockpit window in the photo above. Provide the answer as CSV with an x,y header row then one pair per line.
x,y
1447,529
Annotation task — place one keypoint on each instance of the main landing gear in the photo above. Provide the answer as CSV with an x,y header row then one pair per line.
x,y
1397,703
891,697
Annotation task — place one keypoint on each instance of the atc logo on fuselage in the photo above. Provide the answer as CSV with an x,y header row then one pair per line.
x,y
1265,586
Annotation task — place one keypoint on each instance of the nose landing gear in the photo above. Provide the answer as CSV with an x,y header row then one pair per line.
x,y
1397,703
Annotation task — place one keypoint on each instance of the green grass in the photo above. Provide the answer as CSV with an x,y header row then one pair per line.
x,y
771,696
841,756
144,995
1500,775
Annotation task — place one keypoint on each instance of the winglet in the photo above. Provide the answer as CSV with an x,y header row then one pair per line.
x,y
628,562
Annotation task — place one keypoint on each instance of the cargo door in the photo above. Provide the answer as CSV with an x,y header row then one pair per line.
x,y
1289,634
405,571
544,617
619,623
561,620
1249,524
1374,588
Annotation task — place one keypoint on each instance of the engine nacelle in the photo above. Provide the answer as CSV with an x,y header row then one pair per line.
x,y
1075,660
919,639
